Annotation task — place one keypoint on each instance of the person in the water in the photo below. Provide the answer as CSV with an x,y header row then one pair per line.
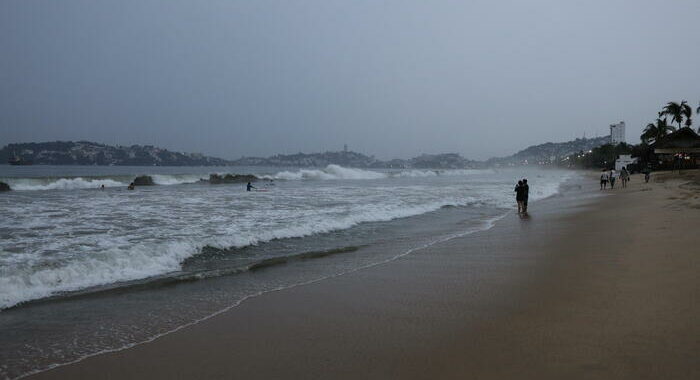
x,y
249,186
131,186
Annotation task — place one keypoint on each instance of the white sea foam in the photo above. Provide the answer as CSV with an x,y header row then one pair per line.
x,y
164,179
330,172
28,184
66,241
439,172
109,266
122,262
338,172
61,183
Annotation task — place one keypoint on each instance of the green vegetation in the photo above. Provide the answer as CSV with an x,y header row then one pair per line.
x,y
654,132
678,112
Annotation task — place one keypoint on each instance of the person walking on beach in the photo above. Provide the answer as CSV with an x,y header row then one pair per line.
x,y
624,176
519,196
603,180
526,194
612,178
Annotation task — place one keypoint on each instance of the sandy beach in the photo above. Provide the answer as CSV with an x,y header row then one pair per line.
x,y
586,287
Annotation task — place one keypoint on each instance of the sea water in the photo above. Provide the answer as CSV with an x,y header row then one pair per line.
x,y
85,270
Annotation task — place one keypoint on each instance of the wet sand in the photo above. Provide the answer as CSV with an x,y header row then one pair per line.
x,y
586,287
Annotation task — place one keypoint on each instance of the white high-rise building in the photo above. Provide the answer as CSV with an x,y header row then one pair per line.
x,y
617,133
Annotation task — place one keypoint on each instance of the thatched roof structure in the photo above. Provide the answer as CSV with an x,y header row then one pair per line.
x,y
684,140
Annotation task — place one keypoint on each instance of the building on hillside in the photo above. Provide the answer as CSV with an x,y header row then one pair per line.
x,y
617,133
623,160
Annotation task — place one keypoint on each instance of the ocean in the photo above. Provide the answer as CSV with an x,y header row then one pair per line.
x,y
85,270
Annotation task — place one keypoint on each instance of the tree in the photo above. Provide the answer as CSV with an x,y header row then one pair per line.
x,y
655,132
678,112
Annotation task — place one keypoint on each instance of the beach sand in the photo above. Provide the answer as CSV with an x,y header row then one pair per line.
x,y
587,287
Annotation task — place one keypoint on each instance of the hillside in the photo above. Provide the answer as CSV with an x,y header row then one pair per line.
x,y
343,158
90,153
548,153
359,160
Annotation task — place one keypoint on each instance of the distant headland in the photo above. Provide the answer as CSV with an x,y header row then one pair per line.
x,y
91,153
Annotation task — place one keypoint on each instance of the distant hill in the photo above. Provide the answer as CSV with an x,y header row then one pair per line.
x,y
90,153
343,158
359,160
548,153
442,161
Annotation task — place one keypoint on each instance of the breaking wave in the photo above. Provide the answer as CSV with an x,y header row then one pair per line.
x,y
439,172
144,260
160,233
74,183
330,172
337,172
178,179
61,183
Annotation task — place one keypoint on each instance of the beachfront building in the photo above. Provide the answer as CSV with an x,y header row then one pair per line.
x,y
679,150
623,160
617,133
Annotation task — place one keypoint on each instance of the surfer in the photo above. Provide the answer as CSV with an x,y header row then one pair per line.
x,y
131,186
249,186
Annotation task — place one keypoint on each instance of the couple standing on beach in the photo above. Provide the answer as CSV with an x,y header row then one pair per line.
x,y
522,191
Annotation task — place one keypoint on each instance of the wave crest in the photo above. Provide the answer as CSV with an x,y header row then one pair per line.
x,y
62,183
136,262
337,172
75,183
328,173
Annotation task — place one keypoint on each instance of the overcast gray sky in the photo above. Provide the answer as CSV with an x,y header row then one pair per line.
x,y
391,78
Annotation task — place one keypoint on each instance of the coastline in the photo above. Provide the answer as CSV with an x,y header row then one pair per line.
x,y
587,287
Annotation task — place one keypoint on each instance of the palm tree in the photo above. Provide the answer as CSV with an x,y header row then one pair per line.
x,y
678,112
655,132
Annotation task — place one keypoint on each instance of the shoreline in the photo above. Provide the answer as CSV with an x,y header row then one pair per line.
x,y
496,304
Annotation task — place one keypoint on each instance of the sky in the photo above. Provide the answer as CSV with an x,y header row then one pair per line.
x,y
388,78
